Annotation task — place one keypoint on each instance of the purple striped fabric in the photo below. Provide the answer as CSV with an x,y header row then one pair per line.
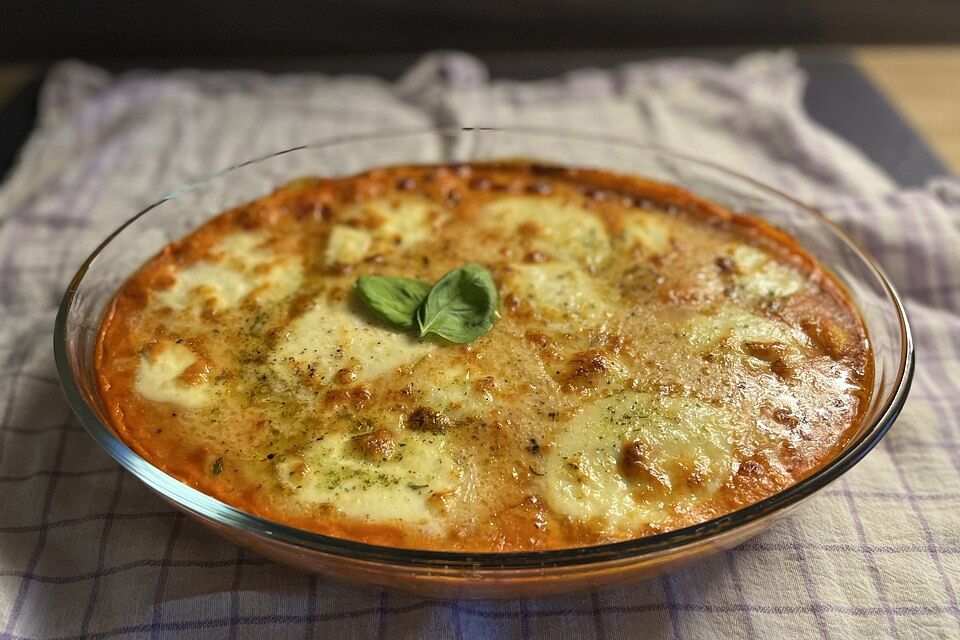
x,y
86,551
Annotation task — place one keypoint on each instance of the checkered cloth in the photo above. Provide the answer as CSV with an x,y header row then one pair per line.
x,y
86,550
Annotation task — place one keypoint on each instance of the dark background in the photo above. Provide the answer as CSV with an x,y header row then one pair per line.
x,y
111,30
514,38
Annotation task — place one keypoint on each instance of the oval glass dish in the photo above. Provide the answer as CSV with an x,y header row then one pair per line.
x,y
453,574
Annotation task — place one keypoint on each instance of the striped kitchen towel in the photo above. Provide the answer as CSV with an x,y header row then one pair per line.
x,y
87,551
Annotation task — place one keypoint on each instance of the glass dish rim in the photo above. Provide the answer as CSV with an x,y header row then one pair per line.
x,y
209,508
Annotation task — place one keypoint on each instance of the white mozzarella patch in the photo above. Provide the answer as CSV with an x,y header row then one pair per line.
x,y
452,390
584,478
760,275
648,230
203,284
331,471
241,250
239,268
729,323
158,376
331,336
565,231
394,222
347,245
562,294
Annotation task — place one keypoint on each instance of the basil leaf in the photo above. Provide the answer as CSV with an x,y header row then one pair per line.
x,y
461,306
392,300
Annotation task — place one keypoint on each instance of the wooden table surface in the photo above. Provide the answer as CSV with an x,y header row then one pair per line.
x,y
923,83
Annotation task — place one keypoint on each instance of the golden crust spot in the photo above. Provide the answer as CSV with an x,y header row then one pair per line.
x,y
588,369
636,464
429,420
379,445
829,336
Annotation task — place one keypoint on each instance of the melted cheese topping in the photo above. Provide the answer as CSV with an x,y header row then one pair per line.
x,y
332,471
240,267
648,231
572,232
334,337
760,275
652,366
685,449
731,325
394,222
347,245
160,376
561,293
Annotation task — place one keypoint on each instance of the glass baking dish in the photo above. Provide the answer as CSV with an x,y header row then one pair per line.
x,y
452,574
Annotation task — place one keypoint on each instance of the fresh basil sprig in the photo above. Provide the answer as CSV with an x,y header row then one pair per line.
x,y
460,307
392,300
